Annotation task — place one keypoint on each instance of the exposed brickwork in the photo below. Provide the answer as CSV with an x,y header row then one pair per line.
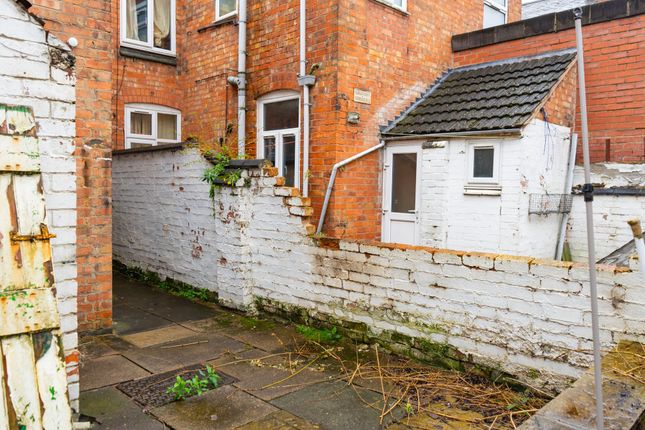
x,y
92,24
560,106
615,60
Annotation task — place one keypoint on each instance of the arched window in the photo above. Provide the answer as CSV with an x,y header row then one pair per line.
x,y
151,125
279,133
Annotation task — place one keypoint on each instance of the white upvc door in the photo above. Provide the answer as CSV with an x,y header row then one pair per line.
x,y
401,194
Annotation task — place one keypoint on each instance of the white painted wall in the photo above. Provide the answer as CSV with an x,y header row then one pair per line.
x,y
528,164
611,213
27,78
517,313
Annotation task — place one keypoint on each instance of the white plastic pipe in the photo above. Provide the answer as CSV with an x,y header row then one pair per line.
x,y
588,193
241,79
573,149
635,224
332,179
305,98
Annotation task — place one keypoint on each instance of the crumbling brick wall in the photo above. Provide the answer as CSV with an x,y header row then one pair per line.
x,y
526,316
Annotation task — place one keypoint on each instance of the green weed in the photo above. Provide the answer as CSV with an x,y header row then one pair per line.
x,y
320,335
195,386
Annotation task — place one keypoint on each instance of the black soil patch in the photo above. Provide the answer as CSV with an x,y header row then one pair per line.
x,y
150,392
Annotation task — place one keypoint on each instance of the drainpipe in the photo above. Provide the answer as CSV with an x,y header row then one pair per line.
x,y
332,179
573,149
305,81
240,81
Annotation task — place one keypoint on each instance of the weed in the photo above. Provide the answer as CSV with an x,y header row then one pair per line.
x,y
321,335
195,386
256,324
52,391
220,173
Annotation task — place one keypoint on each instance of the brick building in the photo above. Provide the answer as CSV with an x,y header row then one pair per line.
x,y
157,71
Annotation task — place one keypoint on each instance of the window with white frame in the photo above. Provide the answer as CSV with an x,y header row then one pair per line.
x,y
279,133
495,12
151,125
149,25
225,8
483,166
399,4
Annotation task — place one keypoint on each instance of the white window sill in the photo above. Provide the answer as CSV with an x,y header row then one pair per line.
x,y
159,51
483,190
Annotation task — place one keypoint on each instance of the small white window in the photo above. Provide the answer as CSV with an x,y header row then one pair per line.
x,y
225,8
483,167
279,133
495,12
399,4
149,25
151,125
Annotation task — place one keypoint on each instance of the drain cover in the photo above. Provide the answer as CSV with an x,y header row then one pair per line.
x,y
151,391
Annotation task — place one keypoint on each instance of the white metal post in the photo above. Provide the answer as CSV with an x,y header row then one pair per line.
x,y
588,195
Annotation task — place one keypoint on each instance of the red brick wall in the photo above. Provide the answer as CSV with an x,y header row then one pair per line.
x,y
91,23
615,60
560,106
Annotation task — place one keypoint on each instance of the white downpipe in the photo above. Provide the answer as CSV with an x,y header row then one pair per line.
x,y
573,149
241,79
640,245
332,179
305,98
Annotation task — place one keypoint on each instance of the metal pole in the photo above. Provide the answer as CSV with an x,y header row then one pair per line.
x,y
573,149
588,194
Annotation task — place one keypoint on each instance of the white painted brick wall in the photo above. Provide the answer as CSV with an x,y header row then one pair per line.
x,y
611,213
29,80
530,164
507,311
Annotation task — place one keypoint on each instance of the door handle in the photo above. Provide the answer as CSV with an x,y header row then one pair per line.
x,y
44,235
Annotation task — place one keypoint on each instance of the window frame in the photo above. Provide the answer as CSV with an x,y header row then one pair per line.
x,y
228,15
470,172
275,97
154,110
403,7
494,4
150,44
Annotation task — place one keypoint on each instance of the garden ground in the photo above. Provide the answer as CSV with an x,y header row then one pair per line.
x,y
274,376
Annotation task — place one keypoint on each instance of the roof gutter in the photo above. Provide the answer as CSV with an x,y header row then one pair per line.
x,y
482,134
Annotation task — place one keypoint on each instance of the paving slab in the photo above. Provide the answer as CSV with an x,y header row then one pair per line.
x,y
270,339
256,370
281,420
114,410
155,301
95,347
129,319
225,408
161,335
199,348
110,370
335,406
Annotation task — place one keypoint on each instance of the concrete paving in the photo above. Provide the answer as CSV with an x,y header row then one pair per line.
x,y
114,410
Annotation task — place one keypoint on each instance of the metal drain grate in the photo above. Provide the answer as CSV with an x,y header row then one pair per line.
x,y
151,391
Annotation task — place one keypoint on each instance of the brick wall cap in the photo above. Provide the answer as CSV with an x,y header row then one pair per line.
x,y
549,23
164,147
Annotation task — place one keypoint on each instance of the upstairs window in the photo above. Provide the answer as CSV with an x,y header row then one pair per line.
x,y
399,4
151,125
225,8
149,25
495,12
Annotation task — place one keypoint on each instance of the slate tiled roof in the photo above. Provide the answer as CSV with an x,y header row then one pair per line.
x,y
489,96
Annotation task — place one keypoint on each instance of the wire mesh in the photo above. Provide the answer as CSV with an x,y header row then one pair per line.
x,y
544,204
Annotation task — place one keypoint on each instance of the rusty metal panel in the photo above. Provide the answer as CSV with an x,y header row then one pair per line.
x,y
24,397
19,154
33,382
24,311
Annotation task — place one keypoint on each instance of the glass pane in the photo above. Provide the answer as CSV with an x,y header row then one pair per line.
x,y
162,16
397,3
167,126
269,149
281,115
289,159
483,160
141,123
404,183
493,17
137,20
226,7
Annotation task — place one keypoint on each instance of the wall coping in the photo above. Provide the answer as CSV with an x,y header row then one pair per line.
x,y
164,147
550,23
